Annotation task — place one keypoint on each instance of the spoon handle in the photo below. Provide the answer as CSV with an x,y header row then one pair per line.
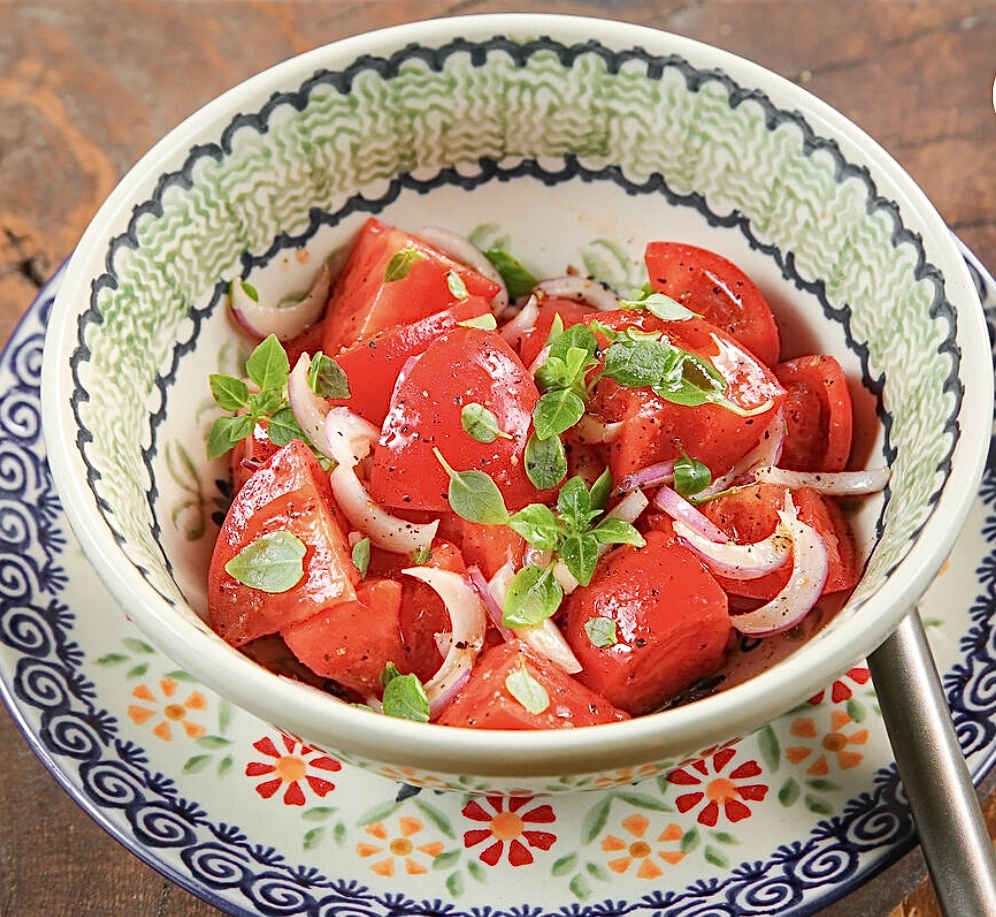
x,y
942,797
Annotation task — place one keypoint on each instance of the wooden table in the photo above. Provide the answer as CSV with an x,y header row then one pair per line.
x,y
87,87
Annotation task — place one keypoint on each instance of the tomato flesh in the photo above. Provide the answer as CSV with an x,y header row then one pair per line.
x,y
485,702
671,624
291,493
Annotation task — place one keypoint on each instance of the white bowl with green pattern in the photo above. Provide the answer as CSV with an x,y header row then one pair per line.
x,y
576,141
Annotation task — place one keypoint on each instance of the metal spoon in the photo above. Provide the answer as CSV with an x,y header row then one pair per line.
x,y
942,797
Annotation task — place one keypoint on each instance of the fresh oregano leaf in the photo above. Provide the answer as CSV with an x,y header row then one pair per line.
x,y
601,632
326,377
580,554
533,596
617,531
273,563
545,461
691,476
556,412
404,696
480,424
400,264
231,394
524,687
284,427
473,495
519,280
361,555
538,525
268,365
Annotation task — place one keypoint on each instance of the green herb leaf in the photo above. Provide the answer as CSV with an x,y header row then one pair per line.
x,y
691,476
659,305
231,394
473,495
533,596
545,461
527,690
225,432
574,503
556,412
247,288
271,563
283,428
601,490
538,525
601,631
268,365
456,285
404,696
326,377
400,264
486,322
480,424
580,554
518,279
641,363
617,531
361,555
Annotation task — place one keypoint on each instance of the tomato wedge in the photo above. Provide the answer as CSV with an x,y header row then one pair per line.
x,y
289,493
531,341
716,289
465,366
818,414
486,701
392,278
651,623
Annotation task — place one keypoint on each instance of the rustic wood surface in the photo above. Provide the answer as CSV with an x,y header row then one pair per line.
x,y
87,87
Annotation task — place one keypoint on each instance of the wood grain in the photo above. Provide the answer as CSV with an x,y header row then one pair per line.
x,y
87,87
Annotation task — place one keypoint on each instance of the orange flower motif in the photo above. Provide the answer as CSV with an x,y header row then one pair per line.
x,y
289,768
836,747
726,793
508,821
625,776
636,851
399,848
169,711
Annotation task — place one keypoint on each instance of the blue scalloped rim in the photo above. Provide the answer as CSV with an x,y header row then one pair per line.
x,y
493,171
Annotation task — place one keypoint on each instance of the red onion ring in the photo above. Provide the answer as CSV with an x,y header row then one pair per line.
x,y
738,561
676,506
652,475
309,409
521,323
584,290
348,438
285,322
832,484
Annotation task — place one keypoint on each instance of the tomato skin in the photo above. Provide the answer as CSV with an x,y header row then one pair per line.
x,y
290,492
750,514
485,702
655,430
463,366
364,303
715,288
819,416
372,366
352,642
487,547
672,623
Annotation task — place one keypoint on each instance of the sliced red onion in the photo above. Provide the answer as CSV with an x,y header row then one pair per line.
x,y
384,530
629,508
309,409
584,290
286,321
651,476
591,429
522,322
540,360
767,452
810,564
461,249
738,561
467,624
676,506
348,437
493,593
832,484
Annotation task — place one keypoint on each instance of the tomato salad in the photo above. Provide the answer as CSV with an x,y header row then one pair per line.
x,y
468,496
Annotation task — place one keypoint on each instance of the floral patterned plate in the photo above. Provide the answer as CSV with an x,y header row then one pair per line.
x,y
785,822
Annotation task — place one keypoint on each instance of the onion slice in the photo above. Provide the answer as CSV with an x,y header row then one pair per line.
x,y
767,452
467,623
832,484
347,437
584,290
810,564
461,249
384,530
309,409
676,506
738,561
521,323
287,321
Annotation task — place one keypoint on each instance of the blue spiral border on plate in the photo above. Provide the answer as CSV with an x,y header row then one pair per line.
x,y
112,780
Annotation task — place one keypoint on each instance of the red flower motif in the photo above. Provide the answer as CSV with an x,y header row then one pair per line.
x,y
720,792
289,768
840,690
507,828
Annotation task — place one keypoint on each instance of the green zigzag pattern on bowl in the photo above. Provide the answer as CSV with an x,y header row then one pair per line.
x,y
664,125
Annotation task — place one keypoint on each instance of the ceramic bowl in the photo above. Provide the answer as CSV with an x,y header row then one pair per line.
x,y
577,141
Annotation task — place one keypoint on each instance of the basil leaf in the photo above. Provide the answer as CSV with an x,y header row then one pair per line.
x,y
268,365
601,490
225,433
266,402
580,554
231,394
518,279
326,378
538,525
601,632
271,563
545,461
691,476
405,697
574,503
576,337
360,555
533,596
456,285
617,531
480,424
556,412
400,264
284,427
527,690
474,496
640,363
